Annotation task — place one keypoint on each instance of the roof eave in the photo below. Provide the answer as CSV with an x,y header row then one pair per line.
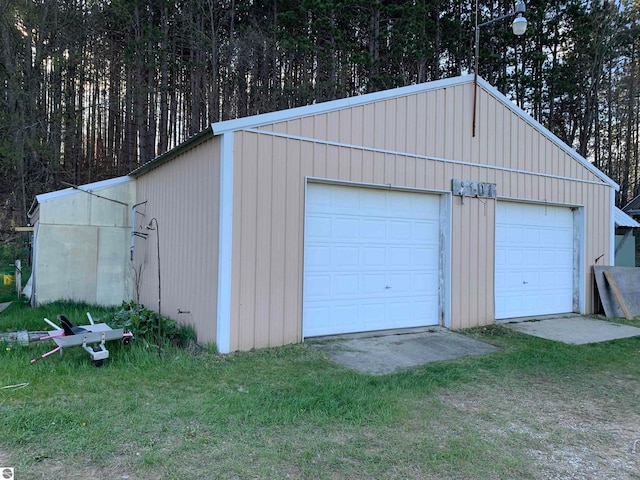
x,y
174,152
333,105
624,220
253,121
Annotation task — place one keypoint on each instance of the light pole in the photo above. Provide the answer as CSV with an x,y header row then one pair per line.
x,y
519,26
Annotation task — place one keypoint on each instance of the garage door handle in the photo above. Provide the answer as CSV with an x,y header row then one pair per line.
x,y
387,287
524,282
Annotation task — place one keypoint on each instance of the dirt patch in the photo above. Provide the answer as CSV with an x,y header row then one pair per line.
x,y
567,433
47,467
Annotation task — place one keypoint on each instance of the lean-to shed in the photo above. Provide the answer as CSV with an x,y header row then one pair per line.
x,y
81,243
373,212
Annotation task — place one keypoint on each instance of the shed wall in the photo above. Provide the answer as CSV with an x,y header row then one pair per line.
x,y
183,197
81,247
269,184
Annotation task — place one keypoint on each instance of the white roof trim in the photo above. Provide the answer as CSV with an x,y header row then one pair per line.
x,y
90,187
333,105
624,220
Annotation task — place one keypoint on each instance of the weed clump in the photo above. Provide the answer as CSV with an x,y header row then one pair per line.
x,y
144,324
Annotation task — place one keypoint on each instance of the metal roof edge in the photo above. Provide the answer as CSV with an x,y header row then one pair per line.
x,y
546,132
631,204
624,220
174,152
218,128
89,187
333,105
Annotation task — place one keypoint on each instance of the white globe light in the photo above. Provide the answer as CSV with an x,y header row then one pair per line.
x,y
519,25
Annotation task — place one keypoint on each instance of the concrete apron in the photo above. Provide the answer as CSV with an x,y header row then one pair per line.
x,y
571,328
380,353
385,352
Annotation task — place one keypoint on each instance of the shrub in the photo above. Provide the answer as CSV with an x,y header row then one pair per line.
x,y
143,323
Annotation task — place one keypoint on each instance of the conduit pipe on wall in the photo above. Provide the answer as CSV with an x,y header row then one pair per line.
x,y
135,234
157,229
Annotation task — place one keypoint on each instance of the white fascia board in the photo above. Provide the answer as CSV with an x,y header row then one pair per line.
x,y
333,105
546,132
357,100
89,187
225,245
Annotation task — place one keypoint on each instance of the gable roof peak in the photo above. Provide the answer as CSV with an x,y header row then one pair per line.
x,y
333,105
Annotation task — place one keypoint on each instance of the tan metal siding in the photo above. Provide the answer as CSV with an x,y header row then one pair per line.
x,y
472,269
183,195
438,123
269,216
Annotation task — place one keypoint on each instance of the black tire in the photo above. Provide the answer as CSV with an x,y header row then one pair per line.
x,y
97,363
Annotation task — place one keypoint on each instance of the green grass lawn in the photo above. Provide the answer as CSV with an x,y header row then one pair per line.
x,y
536,409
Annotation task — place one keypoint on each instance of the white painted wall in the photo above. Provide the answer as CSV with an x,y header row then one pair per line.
x,y
81,247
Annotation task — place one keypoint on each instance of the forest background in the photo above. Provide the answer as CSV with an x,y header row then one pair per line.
x,y
93,88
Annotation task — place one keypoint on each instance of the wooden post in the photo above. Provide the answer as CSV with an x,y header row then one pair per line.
x,y
18,278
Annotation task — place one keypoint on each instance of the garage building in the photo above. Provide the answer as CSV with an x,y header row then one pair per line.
x,y
374,212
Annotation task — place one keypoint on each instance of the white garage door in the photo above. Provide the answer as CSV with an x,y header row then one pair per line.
x,y
534,260
370,259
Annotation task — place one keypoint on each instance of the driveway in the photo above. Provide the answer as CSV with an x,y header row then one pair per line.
x,y
385,352
380,353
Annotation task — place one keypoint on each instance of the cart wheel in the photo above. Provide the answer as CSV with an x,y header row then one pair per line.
x,y
97,363
126,340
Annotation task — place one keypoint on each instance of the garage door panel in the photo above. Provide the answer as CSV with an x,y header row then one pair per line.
x,y
319,256
318,285
422,257
514,256
373,283
345,229
372,229
344,199
373,256
400,205
562,278
402,283
316,200
549,257
345,285
399,257
369,200
426,232
374,311
318,227
382,273
343,256
399,230
534,261
511,279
